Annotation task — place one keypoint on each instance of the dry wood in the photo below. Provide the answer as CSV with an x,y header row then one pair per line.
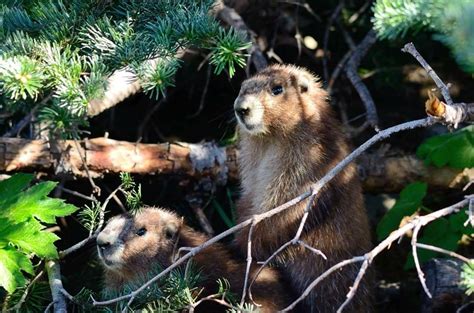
x,y
442,279
379,173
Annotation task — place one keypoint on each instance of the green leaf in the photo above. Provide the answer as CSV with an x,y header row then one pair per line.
x,y
15,184
29,237
21,206
12,263
409,201
22,234
453,149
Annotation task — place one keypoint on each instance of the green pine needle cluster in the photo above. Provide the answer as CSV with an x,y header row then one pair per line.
x,y
89,216
451,21
58,55
132,192
24,211
467,278
172,294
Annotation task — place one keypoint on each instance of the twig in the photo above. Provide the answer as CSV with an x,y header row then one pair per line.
x,y
337,71
147,117
351,71
352,291
56,285
331,20
82,243
21,124
214,298
204,93
461,308
294,241
196,203
48,307
75,193
17,306
410,48
356,15
249,263
95,188
421,275
444,251
368,257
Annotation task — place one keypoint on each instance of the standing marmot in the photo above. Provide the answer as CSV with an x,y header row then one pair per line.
x,y
289,140
132,246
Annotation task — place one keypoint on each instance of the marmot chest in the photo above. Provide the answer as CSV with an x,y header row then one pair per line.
x,y
269,177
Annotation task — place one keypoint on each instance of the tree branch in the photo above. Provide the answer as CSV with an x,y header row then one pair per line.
x,y
351,72
385,244
379,172
56,285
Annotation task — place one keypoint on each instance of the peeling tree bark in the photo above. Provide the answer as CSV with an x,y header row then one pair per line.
x,y
106,156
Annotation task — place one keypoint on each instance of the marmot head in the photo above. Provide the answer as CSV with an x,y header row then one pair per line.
x,y
277,99
131,244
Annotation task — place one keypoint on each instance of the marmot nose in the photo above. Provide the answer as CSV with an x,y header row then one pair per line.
x,y
103,245
102,241
242,112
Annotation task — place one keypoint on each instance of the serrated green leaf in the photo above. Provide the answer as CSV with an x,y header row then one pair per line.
x,y
29,237
409,201
34,202
453,149
15,184
22,235
12,263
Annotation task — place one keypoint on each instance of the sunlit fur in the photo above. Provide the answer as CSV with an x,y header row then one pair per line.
x,y
300,141
130,256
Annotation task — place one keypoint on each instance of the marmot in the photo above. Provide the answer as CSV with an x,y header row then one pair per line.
x,y
132,245
289,139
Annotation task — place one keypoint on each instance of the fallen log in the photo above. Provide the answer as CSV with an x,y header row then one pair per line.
x,y
443,278
103,156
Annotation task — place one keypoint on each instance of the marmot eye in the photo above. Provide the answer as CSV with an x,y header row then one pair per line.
x,y
141,232
277,90
169,234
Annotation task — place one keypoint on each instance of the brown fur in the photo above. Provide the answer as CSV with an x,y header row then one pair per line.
x,y
142,253
301,142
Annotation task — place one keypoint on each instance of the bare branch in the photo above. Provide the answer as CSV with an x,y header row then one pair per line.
x,y
444,251
385,244
410,48
421,275
16,130
249,263
331,20
17,306
56,285
84,242
351,72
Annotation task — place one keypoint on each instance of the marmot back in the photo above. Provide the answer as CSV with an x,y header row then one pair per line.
x,y
289,139
131,246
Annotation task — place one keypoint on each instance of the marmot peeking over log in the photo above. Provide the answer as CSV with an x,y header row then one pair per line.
x,y
289,139
130,246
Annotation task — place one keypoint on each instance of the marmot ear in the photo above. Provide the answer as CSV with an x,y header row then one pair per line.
x,y
303,84
171,230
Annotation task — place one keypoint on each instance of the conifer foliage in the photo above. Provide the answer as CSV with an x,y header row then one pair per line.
x,y
451,21
56,56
